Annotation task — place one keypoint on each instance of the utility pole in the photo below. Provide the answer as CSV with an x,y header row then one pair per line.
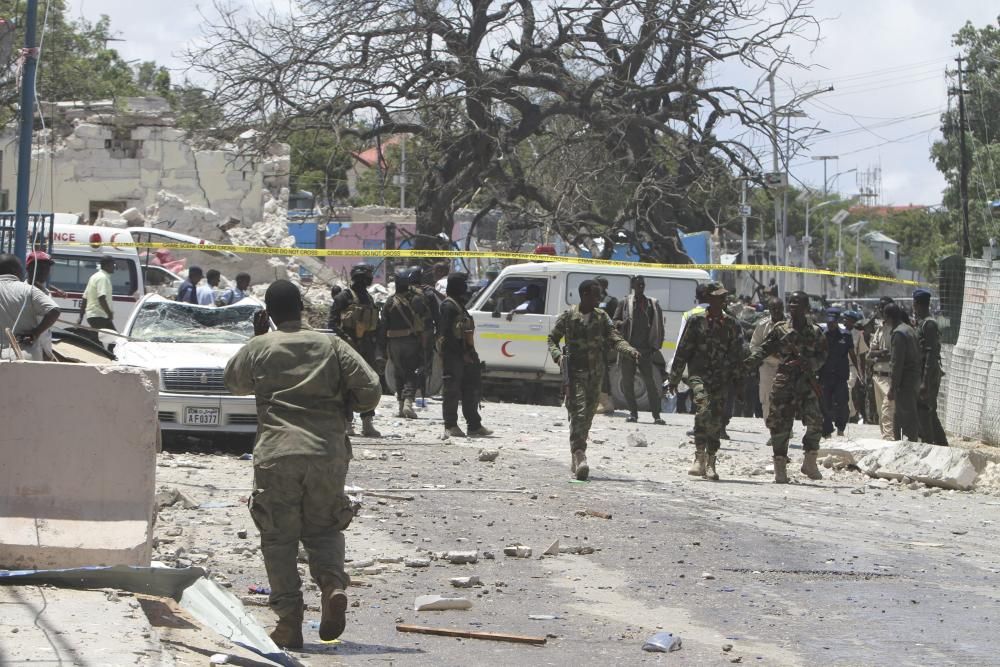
x,y
402,172
744,212
30,56
778,239
963,172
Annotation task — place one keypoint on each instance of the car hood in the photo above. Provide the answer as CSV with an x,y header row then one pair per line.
x,y
176,355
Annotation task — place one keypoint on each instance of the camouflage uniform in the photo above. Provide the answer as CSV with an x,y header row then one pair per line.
x,y
929,338
589,338
801,354
354,317
711,350
304,382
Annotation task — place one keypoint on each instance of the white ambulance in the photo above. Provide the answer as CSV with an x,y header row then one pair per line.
x,y
515,350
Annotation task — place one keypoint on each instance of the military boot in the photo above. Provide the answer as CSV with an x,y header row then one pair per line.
x,y
350,428
580,466
399,413
698,465
368,428
288,632
480,432
455,431
408,410
809,467
780,470
710,468
334,607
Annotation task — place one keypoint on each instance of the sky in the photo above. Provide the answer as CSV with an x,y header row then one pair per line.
x,y
886,60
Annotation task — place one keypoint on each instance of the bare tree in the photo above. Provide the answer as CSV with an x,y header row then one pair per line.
x,y
633,83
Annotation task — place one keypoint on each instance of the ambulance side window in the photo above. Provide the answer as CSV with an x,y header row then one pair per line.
x,y
72,273
527,295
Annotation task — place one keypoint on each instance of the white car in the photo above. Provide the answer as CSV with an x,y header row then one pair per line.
x,y
190,345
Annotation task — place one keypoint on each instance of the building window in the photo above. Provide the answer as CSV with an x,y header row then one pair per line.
x,y
122,146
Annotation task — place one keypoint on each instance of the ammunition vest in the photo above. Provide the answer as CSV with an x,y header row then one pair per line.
x,y
358,319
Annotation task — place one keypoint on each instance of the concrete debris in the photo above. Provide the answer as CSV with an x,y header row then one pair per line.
x,y
169,497
842,453
662,642
598,514
461,557
517,551
417,562
465,582
945,467
488,455
542,617
726,648
439,603
553,549
577,550
636,439
707,575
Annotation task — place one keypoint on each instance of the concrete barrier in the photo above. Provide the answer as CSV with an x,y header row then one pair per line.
x,y
78,450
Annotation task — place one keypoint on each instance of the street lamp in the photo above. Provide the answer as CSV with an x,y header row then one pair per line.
x,y
807,240
856,228
780,239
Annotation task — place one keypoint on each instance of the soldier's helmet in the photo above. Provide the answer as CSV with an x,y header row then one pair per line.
x,y
800,298
362,273
415,275
402,280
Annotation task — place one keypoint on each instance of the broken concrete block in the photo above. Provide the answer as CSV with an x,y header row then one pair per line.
x,y
417,562
849,452
439,603
517,551
488,455
553,549
636,439
464,582
461,557
945,467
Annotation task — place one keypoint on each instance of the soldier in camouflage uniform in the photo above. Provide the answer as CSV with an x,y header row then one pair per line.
x,y
406,331
354,317
589,337
801,350
711,350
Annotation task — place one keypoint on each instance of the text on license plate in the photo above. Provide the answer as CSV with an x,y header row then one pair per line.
x,y
202,416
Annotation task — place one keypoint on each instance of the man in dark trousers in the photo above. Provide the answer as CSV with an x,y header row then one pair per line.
x,y
304,383
354,318
929,338
904,374
462,371
835,373
640,320
406,333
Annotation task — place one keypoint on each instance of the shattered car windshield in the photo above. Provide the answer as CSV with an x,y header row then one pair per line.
x,y
172,322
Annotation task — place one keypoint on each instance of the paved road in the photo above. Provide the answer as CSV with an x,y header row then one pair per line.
x,y
812,573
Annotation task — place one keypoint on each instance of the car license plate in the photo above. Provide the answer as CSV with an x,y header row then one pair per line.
x,y
201,416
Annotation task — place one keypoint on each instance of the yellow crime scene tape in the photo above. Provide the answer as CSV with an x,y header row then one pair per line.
x,y
493,254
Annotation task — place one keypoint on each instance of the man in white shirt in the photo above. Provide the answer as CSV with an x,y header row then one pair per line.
x,y
98,297
206,290
25,310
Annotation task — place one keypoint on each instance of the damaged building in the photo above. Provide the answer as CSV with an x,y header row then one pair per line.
x,y
118,155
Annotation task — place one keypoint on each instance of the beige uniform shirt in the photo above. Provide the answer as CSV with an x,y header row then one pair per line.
x,y
99,285
305,382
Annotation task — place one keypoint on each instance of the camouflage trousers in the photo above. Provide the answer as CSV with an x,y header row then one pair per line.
x,y
791,396
709,402
301,499
581,404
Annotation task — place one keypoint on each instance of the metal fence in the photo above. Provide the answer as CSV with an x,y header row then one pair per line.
x,y
39,231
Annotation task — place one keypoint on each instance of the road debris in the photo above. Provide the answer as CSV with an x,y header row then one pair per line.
x,y
553,549
469,634
662,642
168,497
517,551
636,439
462,557
440,603
465,582
488,455
594,513
417,562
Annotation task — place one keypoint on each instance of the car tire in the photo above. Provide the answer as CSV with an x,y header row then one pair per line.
x,y
618,392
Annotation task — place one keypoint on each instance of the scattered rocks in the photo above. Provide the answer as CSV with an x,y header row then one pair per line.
x,y
488,455
945,467
417,562
553,549
577,550
465,582
169,497
517,551
461,557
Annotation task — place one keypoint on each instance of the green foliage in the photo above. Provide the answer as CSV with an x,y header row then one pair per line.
x,y
320,162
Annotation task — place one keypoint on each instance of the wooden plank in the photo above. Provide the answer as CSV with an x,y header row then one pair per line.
x,y
472,634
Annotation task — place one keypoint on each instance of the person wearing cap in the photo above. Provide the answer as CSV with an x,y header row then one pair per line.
x,y
98,297
801,349
710,352
304,383
856,380
24,309
188,291
640,320
38,267
879,370
835,373
929,340
769,367
904,374
590,338
533,303
462,372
